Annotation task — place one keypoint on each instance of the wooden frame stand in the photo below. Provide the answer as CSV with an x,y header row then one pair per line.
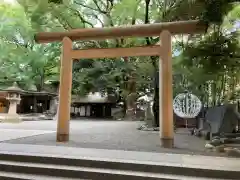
x,y
164,51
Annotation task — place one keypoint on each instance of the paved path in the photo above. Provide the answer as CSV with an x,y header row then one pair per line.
x,y
115,135
203,162
10,134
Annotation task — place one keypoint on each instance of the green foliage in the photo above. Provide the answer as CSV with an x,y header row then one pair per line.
x,y
126,12
208,65
56,1
215,10
22,60
215,52
100,75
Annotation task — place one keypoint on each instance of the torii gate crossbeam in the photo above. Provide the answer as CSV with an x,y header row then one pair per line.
x,y
164,51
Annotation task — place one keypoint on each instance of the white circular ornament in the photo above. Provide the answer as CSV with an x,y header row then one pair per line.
x,y
187,105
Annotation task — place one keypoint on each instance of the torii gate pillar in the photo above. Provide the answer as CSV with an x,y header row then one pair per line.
x,y
165,91
65,89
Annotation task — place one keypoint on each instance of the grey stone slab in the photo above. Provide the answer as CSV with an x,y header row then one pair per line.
x,y
196,161
23,176
95,172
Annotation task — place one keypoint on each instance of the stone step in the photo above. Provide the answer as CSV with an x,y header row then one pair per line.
x,y
78,172
87,167
33,171
22,176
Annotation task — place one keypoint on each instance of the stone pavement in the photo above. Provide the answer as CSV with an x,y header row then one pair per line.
x,y
115,135
10,134
196,161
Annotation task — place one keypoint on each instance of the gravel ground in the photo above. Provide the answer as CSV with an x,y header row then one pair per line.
x,y
119,135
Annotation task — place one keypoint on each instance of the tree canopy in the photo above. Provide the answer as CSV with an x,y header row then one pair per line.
x,y
206,64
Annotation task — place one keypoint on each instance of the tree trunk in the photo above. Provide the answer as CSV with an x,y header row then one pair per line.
x,y
214,93
156,90
223,84
156,101
34,104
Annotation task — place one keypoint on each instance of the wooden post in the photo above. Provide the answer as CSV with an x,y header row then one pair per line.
x,y
165,91
65,91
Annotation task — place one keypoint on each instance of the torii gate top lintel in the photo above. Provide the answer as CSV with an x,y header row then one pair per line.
x,y
145,30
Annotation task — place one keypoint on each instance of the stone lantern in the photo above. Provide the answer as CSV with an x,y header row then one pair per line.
x,y
14,98
147,103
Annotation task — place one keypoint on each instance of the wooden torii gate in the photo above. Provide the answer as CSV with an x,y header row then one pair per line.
x,y
164,50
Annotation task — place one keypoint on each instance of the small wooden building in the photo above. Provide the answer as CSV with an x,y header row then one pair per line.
x,y
35,102
93,105
31,101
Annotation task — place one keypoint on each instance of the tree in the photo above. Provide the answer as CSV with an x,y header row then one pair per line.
x,y
209,64
23,61
35,64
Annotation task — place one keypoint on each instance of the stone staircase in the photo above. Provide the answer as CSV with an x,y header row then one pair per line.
x,y
39,167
